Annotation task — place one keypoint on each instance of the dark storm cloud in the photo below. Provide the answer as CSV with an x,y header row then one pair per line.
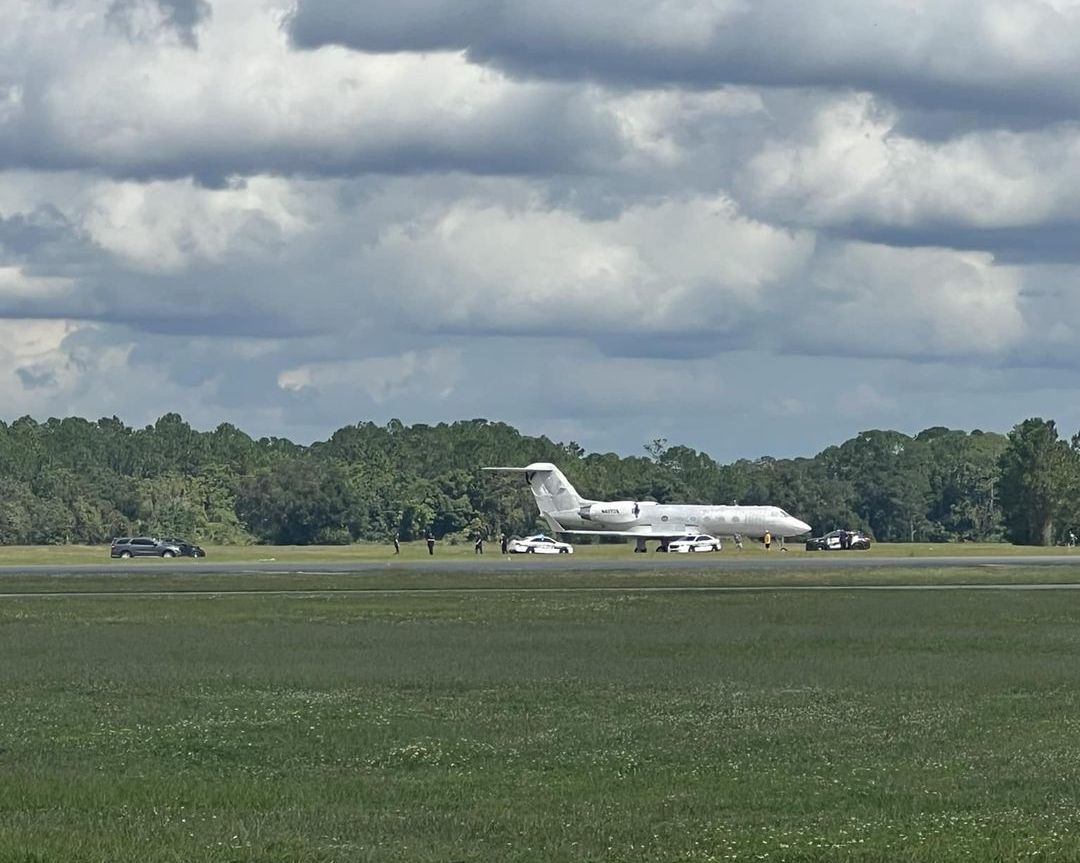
x,y
32,379
87,285
545,131
947,54
391,25
436,233
203,301
38,234
691,345
938,125
183,16
192,323
1041,243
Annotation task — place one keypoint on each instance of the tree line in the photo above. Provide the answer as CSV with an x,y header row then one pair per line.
x,y
76,481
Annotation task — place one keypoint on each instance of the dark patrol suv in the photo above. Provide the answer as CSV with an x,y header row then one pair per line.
x,y
839,539
142,546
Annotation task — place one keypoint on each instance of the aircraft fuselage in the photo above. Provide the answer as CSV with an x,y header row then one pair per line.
x,y
657,519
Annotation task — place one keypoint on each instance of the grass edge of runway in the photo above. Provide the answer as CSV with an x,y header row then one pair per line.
x,y
177,580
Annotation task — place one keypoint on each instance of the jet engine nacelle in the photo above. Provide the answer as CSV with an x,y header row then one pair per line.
x,y
621,512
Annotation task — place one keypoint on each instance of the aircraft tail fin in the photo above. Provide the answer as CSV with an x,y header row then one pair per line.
x,y
553,491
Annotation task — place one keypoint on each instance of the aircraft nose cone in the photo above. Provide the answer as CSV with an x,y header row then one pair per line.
x,y
798,527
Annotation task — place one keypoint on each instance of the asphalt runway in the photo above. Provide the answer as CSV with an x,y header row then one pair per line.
x,y
555,563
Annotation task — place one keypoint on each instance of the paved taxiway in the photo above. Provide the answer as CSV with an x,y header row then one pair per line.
x,y
771,562
778,563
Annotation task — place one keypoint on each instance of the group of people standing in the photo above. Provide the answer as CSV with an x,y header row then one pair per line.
x,y
478,545
429,539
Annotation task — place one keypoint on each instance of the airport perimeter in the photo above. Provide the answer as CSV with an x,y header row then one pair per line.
x,y
166,714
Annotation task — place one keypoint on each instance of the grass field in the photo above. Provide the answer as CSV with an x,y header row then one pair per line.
x,y
537,726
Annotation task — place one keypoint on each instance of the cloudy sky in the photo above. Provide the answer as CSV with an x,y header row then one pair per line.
x,y
753,227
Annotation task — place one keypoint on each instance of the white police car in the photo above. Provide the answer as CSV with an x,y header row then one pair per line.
x,y
700,542
539,544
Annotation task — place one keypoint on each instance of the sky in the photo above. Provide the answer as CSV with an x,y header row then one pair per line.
x,y
751,227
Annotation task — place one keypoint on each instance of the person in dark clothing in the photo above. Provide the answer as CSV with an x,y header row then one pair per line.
x,y
397,544
430,544
478,546
502,542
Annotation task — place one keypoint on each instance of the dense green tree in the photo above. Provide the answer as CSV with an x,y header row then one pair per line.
x,y
51,522
299,501
171,505
1036,473
71,480
963,472
16,503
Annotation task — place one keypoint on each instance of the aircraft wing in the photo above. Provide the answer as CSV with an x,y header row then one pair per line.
x,y
644,532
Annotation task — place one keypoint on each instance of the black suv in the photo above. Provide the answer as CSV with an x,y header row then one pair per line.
x,y
142,546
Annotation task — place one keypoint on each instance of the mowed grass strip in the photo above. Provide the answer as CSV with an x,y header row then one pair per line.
x,y
575,726
529,574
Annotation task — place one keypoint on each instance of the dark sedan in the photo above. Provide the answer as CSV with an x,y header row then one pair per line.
x,y
839,540
187,549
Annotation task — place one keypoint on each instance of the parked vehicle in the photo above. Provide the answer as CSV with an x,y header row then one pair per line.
x,y
701,542
142,546
839,540
539,544
187,549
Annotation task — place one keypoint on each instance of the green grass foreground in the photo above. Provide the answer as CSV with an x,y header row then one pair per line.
x,y
524,726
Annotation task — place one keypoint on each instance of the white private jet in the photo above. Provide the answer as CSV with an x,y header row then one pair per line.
x,y
566,511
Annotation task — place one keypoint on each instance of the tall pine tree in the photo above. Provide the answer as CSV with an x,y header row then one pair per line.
x,y
1035,471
